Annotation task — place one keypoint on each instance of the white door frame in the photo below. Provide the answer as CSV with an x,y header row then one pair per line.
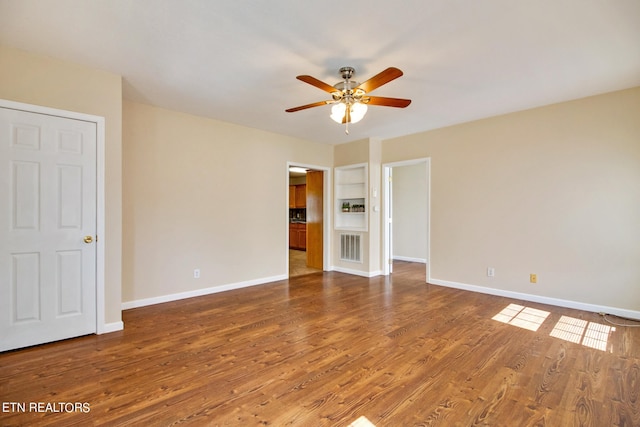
x,y
101,327
387,204
326,213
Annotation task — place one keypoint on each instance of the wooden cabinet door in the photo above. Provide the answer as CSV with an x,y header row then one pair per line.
x,y
292,196
293,239
302,237
297,236
293,236
301,196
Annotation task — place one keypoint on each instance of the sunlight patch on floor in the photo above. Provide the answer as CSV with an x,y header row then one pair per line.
x,y
579,331
362,422
522,317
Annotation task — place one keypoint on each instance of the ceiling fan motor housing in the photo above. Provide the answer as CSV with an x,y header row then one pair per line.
x,y
345,87
347,72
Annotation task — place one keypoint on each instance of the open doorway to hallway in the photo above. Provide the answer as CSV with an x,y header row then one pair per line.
x,y
306,218
406,233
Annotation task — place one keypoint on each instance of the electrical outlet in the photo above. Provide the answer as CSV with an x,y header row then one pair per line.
x,y
196,273
491,272
533,278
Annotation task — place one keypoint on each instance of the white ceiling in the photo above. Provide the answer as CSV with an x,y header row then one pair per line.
x,y
236,61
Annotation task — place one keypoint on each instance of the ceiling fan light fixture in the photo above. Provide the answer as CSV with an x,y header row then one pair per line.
x,y
358,110
337,111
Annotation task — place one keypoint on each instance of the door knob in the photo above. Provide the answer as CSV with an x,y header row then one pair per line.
x,y
88,239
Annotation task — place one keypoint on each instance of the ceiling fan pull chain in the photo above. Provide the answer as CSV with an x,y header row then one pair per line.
x,y
346,128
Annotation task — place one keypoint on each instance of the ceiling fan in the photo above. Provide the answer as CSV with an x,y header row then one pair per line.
x,y
350,98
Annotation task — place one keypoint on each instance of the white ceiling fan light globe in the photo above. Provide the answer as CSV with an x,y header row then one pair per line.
x,y
337,112
358,110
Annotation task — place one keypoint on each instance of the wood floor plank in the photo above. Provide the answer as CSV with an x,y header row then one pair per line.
x,y
325,349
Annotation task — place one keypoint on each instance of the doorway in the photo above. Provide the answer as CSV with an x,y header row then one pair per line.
x,y
307,219
406,234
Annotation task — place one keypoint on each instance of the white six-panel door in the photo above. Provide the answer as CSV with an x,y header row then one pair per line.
x,y
47,228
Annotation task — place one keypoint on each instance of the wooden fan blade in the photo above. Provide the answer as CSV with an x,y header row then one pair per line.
x,y
304,107
317,83
386,102
381,78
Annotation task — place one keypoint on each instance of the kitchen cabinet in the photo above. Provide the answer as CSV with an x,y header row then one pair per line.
x,y
301,196
297,235
298,196
292,196
302,237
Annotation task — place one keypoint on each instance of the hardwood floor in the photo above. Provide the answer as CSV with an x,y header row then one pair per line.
x,y
327,348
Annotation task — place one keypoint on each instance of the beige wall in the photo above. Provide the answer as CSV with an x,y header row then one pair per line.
x,y
553,191
201,193
44,81
352,153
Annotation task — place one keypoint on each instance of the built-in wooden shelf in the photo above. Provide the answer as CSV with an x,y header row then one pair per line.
x,y
350,189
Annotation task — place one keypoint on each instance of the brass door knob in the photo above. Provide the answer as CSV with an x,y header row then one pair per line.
x,y
88,239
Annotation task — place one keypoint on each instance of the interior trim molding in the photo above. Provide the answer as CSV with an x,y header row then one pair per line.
x,y
622,312
200,292
112,327
357,272
410,259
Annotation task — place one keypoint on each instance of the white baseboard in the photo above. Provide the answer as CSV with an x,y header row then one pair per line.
x,y
622,312
110,327
409,259
357,272
200,292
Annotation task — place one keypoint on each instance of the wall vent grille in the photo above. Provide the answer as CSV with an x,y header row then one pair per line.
x,y
351,247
